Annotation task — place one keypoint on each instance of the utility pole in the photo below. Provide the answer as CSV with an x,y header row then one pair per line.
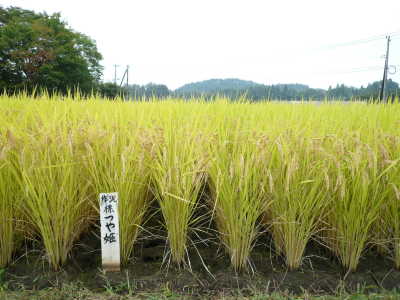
x,y
126,73
382,94
127,82
115,74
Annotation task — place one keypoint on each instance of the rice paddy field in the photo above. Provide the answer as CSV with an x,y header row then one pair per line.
x,y
217,187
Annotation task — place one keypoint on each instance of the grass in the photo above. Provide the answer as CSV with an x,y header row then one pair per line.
x,y
76,291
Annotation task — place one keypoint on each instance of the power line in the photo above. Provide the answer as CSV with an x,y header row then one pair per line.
x,y
364,69
360,41
349,71
357,70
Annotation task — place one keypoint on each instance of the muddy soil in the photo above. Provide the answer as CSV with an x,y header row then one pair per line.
x,y
210,271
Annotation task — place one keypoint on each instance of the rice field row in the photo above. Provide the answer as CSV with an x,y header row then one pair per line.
x,y
329,173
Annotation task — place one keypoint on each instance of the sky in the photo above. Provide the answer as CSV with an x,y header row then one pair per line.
x,y
176,42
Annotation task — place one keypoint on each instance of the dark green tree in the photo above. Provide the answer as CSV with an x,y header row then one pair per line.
x,y
110,90
40,50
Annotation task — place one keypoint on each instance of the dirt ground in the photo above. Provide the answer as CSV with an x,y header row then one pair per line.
x,y
320,274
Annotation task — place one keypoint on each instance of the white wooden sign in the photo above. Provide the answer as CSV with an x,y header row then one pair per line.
x,y
110,252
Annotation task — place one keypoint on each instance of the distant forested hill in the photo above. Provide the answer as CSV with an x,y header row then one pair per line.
x,y
215,86
236,88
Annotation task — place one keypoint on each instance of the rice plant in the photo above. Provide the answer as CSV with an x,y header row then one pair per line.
x,y
10,203
56,203
388,231
328,172
359,192
298,190
178,173
115,162
239,196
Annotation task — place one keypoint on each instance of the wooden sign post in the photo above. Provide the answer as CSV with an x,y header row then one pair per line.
x,y
110,252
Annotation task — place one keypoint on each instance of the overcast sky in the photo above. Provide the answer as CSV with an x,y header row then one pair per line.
x,y
180,41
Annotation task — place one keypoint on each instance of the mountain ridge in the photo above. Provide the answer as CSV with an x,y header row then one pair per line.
x,y
216,84
232,84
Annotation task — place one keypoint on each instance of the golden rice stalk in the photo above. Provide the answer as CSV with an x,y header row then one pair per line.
x,y
115,161
178,174
55,202
298,190
10,201
239,196
359,192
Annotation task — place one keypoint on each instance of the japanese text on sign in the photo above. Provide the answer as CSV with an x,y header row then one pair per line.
x,y
110,248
